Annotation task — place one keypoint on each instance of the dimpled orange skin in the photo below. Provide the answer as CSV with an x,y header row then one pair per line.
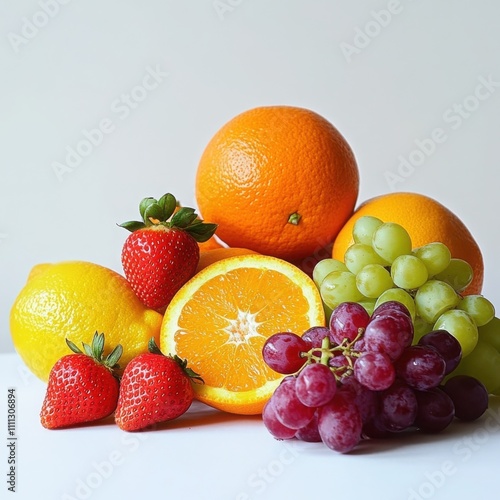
x,y
269,163
427,221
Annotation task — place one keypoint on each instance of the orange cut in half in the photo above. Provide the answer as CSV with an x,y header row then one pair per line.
x,y
219,320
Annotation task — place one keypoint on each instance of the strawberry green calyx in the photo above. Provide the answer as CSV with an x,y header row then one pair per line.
x,y
96,349
163,212
154,349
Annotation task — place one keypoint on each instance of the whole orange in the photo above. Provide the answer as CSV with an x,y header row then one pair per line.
x,y
279,180
426,220
212,255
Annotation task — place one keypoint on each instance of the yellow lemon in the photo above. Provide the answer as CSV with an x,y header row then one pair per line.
x,y
73,300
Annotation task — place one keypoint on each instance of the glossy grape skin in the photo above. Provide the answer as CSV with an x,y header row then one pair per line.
x,y
282,352
365,399
363,229
273,425
436,256
325,267
397,295
373,280
469,396
398,407
314,336
458,274
421,367
338,287
315,385
389,334
479,308
491,333
340,423
408,272
446,345
461,326
433,299
388,307
374,370
310,432
346,320
482,363
289,409
358,256
435,410
390,240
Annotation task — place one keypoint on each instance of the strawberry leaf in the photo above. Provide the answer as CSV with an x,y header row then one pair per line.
x,y
153,348
183,218
153,211
168,204
73,347
112,358
145,202
132,225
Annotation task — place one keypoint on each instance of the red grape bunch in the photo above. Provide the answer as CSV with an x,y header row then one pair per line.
x,y
363,378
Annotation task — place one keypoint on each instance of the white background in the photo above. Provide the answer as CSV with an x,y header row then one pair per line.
x,y
221,59
384,92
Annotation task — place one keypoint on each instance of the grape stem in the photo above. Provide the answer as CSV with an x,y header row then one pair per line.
x,y
329,350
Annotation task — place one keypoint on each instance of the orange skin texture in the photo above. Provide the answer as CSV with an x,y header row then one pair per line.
x,y
427,221
269,163
215,254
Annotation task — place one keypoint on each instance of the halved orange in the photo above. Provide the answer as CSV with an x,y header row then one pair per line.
x,y
220,319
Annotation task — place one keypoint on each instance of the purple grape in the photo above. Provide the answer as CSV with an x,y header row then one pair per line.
x,y
282,352
365,399
310,432
340,424
346,320
435,410
389,334
374,370
315,335
398,407
273,425
421,367
316,385
289,410
375,429
387,308
469,396
446,345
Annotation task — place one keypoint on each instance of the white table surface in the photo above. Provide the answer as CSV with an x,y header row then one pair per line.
x,y
206,454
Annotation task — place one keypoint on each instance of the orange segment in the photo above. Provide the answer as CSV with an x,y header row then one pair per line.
x,y
221,318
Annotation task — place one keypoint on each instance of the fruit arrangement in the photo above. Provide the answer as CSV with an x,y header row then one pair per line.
x,y
207,310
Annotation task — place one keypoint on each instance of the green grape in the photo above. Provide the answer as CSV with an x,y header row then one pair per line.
x,y
458,274
368,304
399,295
479,308
358,256
363,229
434,298
390,240
436,257
328,313
420,328
324,267
373,280
338,287
408,272
482,363
491,333
461,326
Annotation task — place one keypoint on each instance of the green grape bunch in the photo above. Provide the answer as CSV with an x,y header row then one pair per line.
x,y
382,265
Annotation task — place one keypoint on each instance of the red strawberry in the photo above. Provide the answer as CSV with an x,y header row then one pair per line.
x,y
162,252
154,388
81,387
